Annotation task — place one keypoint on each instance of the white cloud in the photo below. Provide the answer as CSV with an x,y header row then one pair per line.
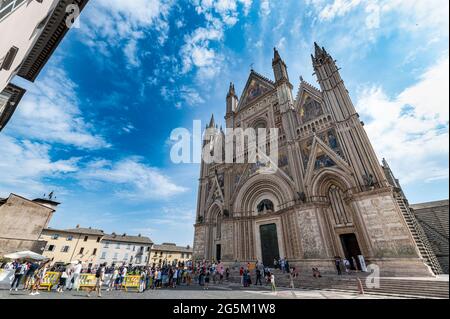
x,y
129,178
50,112
122,23
188,95
24,165
281,44
338,8
359,25
411,130
196,52
226,10
264,8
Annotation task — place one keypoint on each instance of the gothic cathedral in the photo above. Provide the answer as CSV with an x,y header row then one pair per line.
x,y
329,195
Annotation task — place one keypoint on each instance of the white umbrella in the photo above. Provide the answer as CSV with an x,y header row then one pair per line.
x,y
25,255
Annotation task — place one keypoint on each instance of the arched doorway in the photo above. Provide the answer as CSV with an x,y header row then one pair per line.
x,y
343,224
215,231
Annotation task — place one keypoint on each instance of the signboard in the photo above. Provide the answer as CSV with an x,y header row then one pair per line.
x,y
50,279
362,262
131,282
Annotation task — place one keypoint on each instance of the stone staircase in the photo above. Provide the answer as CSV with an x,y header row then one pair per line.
x,y
388,286
420,238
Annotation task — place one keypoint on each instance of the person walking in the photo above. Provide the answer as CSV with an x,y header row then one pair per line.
x,y
62,280
18,274
38,278
75,281
272,283
113,280
291,279
337,262
99,279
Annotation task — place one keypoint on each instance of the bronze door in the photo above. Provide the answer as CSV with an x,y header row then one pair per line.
x,y
269,244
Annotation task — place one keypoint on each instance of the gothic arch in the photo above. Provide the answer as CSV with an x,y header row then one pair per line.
x,y
214,210
260,187
322,181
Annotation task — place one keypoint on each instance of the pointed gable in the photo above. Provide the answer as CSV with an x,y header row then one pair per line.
x,y
323,156
257,86
309,102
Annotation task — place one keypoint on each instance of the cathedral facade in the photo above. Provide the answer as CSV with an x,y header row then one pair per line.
x,y
329,195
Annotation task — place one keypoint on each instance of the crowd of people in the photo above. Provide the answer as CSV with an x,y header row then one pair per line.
x,y
30,274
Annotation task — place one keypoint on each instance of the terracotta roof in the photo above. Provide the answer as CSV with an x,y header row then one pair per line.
x,y
78,230
128,239
172,248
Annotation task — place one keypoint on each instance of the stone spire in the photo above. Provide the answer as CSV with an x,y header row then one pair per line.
x,y
320,55
231,90
212,122
276,55
232,101
279,67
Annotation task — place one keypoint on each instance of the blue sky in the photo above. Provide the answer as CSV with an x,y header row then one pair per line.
x,y
95,125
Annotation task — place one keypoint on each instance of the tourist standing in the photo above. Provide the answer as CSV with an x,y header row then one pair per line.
x,y
18,274
62,280
272,282
337,262
241,274
207,278
291,279
258,277
347,266
32,267
142,281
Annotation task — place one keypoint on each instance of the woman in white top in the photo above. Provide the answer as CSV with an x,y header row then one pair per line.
x,y
272,282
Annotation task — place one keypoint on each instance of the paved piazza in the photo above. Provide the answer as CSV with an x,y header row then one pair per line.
x,y
225,291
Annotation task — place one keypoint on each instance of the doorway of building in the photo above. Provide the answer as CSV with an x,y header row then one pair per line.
x,y
351,249
218,252
269,244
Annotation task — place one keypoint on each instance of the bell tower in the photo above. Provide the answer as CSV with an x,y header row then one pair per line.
x,y
355,143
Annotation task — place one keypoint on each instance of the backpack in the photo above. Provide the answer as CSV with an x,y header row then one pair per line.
x,y
98,273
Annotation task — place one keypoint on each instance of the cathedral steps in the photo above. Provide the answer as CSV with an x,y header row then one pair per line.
x,y
400,287
419,236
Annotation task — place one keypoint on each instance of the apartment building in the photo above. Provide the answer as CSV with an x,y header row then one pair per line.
x,y
69,245
30,32
170,254
125,249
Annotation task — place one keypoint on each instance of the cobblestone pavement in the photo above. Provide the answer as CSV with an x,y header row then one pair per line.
x,y
224,291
